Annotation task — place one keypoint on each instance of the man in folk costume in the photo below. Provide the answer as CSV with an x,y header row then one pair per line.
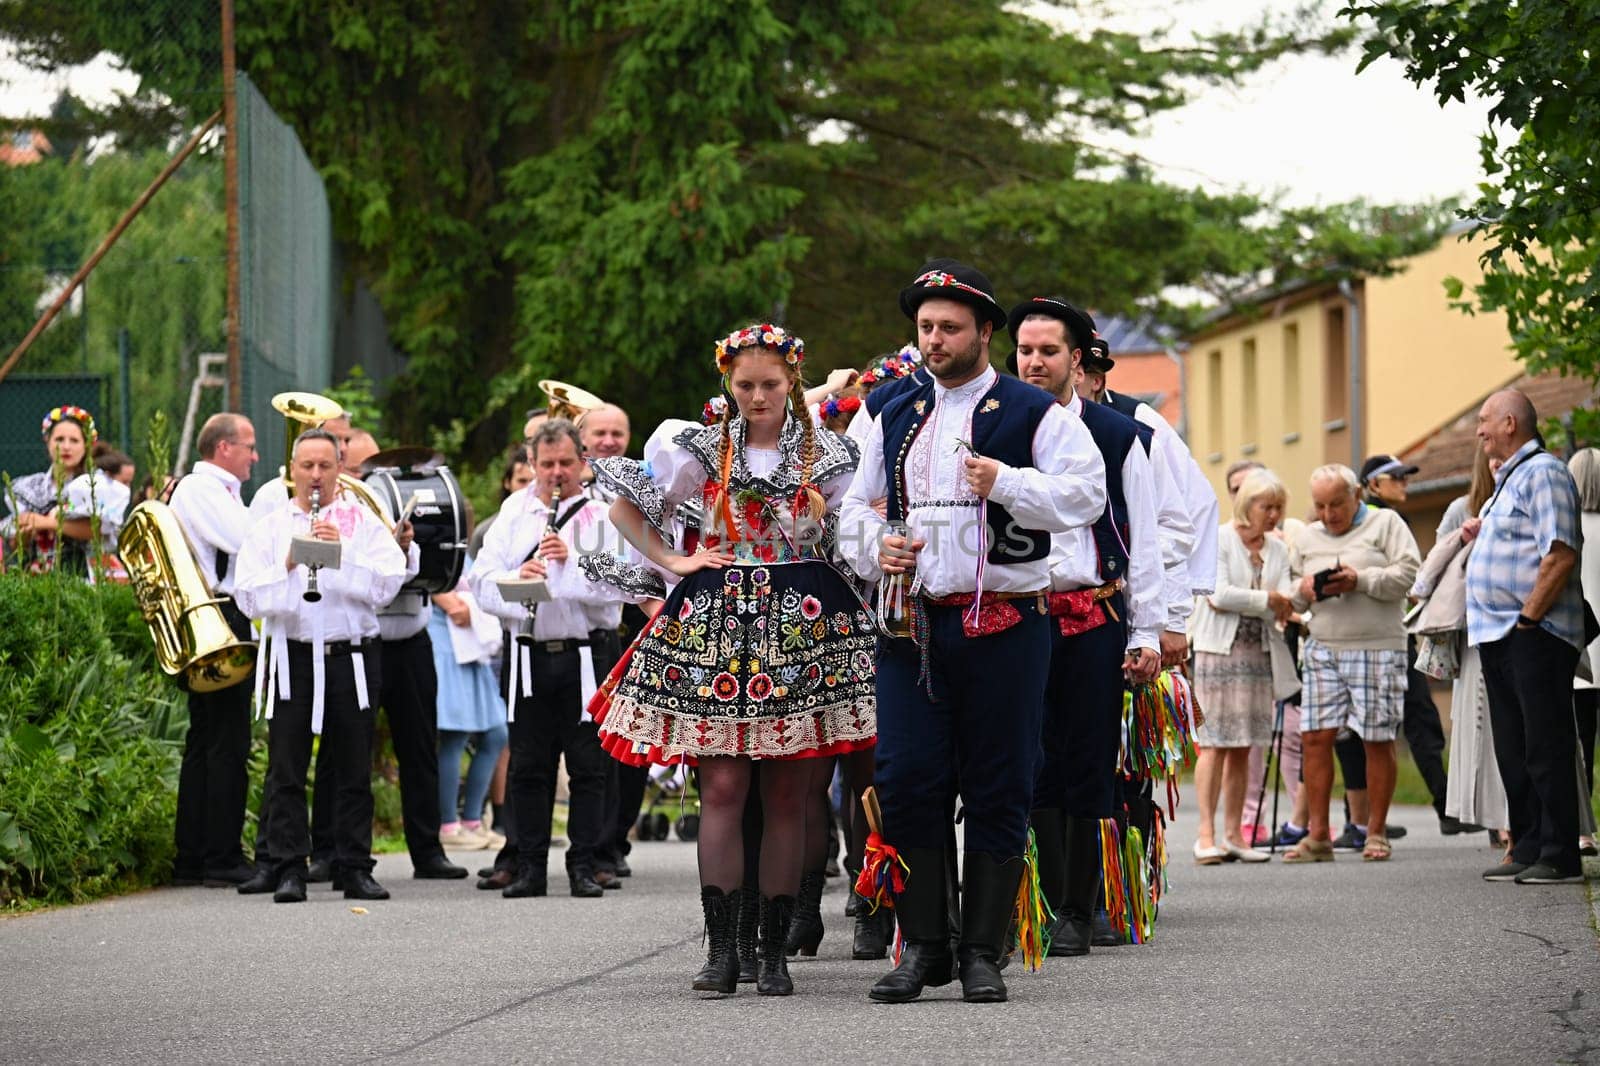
x,y
982,470
1107,608
1190,573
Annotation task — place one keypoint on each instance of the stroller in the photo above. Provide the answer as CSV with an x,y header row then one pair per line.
x,y
670,786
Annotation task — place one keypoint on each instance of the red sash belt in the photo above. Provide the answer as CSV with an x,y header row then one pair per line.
x,y
998,612
1081,610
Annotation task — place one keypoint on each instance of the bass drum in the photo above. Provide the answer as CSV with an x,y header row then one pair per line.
x,y
439,518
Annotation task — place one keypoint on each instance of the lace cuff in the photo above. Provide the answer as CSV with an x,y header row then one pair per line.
x,y
637,581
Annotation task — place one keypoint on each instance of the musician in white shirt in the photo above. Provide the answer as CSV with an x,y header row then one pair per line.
x,y
214,777
539,534
319,670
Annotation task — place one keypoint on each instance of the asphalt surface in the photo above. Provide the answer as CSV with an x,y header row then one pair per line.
x,y
1413,960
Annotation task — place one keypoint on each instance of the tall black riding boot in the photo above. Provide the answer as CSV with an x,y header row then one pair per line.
x,y
925,960
989,898
749,923
805,931
772,973
721,971
873,932
1050,835
1075,916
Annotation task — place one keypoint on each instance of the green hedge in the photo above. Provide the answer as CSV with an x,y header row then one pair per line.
x,y
90,742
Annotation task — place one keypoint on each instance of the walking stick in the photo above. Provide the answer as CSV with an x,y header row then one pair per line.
x,y
1277,784
1266,771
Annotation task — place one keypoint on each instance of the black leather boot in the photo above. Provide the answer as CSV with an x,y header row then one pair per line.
x,y
805,931
772,972
1074,918
925,960
873,932
1104,936
749,923
721,971
1050,835
989,898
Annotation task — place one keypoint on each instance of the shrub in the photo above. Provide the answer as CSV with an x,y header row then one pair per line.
x,y
90,743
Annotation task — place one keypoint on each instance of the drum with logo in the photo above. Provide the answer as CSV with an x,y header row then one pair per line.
x,y
438,515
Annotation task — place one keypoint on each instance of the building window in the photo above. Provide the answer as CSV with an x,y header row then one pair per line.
x,y
1291,378
1214,398
1336,367
1250,392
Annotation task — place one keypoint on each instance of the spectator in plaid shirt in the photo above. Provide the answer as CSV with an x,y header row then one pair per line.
x,y
1525,616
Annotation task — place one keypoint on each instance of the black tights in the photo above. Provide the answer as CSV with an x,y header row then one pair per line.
x,y
785,788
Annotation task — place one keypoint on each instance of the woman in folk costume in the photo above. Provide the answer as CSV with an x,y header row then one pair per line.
x,y
762,650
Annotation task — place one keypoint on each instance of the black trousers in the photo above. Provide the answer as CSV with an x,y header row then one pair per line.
x,y
213,779
1528,674
410,702
549,724
1083,718
622,806
346,756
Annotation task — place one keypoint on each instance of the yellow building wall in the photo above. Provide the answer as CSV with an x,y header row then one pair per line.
x,y
1224,398
1427,362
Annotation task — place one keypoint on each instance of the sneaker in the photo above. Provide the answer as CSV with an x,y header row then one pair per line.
x,y
461,838
1541,873
1506,871
1354,838
1288,836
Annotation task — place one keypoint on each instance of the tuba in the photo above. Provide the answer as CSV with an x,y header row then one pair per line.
x,y
302,410
568,401
193,638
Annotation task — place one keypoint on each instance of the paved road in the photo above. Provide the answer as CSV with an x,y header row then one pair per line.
x,y
1417,960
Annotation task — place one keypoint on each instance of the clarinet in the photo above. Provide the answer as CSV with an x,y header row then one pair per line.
x,y
312,593
525,631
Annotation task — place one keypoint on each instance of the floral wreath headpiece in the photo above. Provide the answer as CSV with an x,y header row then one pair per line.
x,y
834,406
71,412
897,365
766,335
711,413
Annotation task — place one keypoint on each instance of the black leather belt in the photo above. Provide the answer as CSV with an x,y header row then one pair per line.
x,y
556,647
336,647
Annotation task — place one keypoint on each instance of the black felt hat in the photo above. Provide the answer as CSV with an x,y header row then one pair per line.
x,y
1097,356
1080,327
949,279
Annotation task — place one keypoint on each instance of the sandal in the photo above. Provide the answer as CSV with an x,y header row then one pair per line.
x,y
1309,850
1377,849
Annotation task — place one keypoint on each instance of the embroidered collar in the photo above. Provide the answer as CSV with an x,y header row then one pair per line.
x,y
968,391
835,455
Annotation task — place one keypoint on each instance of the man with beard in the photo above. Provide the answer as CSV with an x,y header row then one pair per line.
x,y
1108,609
979,470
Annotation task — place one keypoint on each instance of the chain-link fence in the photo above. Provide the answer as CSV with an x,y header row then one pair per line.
x,y
285,270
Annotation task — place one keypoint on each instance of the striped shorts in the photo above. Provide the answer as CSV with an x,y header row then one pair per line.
x,y
1363,688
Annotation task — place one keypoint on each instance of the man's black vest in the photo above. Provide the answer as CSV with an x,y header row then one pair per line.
x,y
1003,427
1126,405
1114,434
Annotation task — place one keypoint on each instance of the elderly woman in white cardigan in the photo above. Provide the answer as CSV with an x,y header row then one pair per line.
x,y
1238,651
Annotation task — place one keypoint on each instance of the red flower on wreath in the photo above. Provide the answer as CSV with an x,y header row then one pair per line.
x,y
759,687
725,687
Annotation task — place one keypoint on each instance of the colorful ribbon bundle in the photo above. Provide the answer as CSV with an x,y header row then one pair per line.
x,y
1132,889
883,873
1157,731
1033,917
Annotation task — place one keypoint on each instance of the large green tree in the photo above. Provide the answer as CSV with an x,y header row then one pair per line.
x,y
1538,63
594,190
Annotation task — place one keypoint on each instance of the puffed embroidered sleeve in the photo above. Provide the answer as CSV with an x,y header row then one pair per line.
x,y
1066,486
859,527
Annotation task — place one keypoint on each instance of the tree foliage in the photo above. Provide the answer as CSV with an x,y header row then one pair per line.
x,y
1536,61
593,191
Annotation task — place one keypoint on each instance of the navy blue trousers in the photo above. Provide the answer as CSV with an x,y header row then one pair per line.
x,y
978,737
1083,720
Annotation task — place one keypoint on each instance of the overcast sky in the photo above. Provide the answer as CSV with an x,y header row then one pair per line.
x,y
1308,128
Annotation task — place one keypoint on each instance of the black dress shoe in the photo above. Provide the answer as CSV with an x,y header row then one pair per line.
x,y
486,871
361,885
437,868
262,880
921,966
584,886
291,888
1451,826
228,878
623,869
607,879
1070,937
496,879
525,887
1104,936
319,870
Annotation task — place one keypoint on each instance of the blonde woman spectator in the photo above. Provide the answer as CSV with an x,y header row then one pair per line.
x,y
1355,563
1239,649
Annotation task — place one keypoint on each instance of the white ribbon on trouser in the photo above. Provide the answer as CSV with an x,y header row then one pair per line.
x,y
586,681
521,669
